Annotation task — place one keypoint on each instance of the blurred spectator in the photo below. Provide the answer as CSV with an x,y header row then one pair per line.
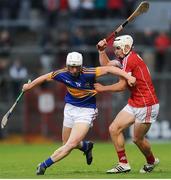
x,y
3,82
46,60
162,43
2,9
78,37
63,41
148,54
100,7
74,7
148,38
63,7
63,14
46,39
5,50
47,57
9,9
18,74
3,66
63,46
87,9
38,4
25,8
5,44
129,7
13,8
115,8
36,17
51,8
92,39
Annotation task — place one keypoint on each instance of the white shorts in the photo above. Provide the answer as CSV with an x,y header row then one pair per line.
x,y
143,115
74,114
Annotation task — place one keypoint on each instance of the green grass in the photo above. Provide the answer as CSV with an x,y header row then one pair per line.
x,y
20,161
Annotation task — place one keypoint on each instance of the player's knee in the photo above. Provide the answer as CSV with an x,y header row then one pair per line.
x,y
72,145
136,140
112,130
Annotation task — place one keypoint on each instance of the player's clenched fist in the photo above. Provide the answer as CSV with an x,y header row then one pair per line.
x,y
26,87
99,87
131,81
102,45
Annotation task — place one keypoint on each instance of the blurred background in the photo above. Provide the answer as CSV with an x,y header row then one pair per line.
x,y
35,37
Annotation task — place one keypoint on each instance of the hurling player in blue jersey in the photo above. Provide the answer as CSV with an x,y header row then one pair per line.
x,y
80,108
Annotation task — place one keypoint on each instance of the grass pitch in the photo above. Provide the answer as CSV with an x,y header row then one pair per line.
x,y
20,161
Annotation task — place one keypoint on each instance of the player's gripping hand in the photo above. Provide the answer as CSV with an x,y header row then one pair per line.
x,y
131,81
99,87
101,46
26,87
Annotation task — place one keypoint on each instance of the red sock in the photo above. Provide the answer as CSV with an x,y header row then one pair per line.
x,y
150,159
122,156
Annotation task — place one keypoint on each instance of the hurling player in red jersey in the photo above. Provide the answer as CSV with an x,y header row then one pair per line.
x,y
142,108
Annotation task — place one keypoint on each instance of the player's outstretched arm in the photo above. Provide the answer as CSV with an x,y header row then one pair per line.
x,y
36,82
130,79
117,87
116,71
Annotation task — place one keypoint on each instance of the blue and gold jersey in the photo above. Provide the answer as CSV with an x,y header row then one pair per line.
x,y
80,90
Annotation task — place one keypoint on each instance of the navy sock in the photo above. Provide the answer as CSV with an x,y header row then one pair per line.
x,y
48,162
84,146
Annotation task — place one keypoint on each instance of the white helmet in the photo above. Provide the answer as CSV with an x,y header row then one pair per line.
x,y
122,41
74,59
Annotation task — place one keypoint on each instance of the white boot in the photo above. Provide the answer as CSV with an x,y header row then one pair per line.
x,y
119,168
149,167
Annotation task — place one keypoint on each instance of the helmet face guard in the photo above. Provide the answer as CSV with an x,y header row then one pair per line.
x,y
122,42
74,59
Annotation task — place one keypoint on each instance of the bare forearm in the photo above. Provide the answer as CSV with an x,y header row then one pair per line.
x,y
35,82
119,72
114,88
103,58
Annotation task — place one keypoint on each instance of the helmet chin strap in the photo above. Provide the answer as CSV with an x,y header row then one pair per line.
x,y
127,52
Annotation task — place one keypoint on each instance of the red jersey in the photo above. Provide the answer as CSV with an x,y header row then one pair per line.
x,y
143,93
